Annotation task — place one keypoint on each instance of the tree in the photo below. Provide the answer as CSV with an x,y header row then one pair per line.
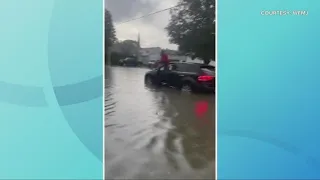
x,y
127,47
110,32
124,49
192,28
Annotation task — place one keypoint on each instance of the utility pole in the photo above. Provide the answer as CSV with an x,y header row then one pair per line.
x,y
138,53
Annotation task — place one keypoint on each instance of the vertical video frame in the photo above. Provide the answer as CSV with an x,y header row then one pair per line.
x,y
160,89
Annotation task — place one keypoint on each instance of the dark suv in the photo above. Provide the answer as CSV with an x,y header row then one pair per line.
x,y
188,77
130,62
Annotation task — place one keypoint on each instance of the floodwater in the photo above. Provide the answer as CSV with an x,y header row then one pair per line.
x,y
154,133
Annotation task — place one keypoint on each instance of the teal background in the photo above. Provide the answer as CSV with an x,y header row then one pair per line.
x,y
51,106
268,90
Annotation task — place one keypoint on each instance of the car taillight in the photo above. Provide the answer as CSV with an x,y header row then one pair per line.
x,y
205,78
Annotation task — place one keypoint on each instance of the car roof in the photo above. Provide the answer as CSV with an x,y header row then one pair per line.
x,y
190,63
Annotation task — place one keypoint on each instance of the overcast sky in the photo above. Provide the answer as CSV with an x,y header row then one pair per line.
x,y
151,28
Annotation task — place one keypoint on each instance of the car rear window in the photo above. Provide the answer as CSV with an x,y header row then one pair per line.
x,y
188,67
210,68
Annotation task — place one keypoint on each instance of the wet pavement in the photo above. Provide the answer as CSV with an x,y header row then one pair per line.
x,y
154,133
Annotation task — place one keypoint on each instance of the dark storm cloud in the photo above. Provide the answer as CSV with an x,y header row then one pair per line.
x,y
123,10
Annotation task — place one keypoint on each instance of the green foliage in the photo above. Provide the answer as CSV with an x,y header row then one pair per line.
x,y
116,57
110,33
124,49
127,47
192,28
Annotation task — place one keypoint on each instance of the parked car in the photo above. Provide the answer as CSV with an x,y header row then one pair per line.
x,y
121,62
130,62
152,64
188,77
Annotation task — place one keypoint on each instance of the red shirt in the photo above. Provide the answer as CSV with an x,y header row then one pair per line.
x,y
164,58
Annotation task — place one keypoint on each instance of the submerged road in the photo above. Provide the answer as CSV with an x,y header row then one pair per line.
x,y
153,133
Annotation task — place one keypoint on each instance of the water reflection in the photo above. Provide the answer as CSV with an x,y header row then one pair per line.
x,y
154,132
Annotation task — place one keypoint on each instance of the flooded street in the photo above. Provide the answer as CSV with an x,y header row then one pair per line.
x,y
154,133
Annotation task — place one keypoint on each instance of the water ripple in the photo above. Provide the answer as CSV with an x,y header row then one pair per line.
x,y
152,132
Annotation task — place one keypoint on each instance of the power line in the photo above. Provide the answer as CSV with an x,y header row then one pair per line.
x,y
153,13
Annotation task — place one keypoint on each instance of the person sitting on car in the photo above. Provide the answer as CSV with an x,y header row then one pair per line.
x,y
164,60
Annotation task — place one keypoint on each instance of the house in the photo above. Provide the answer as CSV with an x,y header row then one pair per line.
x,y
197,60
149,54
175,55
153,54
